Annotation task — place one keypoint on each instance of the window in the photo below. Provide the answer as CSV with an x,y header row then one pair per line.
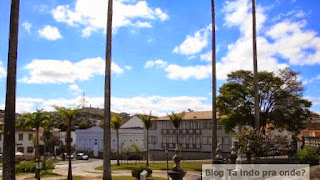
x,y
219,126
30,137
20,137
225,140
204,125
30,149
20,149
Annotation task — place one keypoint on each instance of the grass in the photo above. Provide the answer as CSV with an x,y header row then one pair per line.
x,y
188,166
43,174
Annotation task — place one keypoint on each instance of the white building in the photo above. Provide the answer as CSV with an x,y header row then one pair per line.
x,y
131,132
195,135
25,142
62,136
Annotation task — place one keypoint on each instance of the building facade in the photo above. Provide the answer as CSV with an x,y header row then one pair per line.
x,y
25,142
194,134
131,132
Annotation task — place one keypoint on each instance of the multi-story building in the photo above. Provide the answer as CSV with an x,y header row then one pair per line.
x,y
195,136
310,134
25,142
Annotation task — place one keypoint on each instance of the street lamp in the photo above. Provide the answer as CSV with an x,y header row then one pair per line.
x,y
38,168
166,151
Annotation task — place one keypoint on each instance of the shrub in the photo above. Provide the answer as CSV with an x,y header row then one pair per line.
x,y
308,155
137,171
30,166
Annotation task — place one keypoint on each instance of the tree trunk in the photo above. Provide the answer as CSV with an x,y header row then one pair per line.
x,y
69,150
214,88
44,167
107,99
118,157
8,172
255,69
147,147
37,174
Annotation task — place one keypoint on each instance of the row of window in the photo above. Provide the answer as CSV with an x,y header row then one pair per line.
x,y
189,139
21,149
190,125
20,137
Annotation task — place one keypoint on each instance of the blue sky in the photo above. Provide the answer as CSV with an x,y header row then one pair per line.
x,y
161,50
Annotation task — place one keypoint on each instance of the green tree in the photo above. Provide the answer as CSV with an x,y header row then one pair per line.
x,y
176,119
281,101
107,98
8,172
68,115
35,120
147,123
116,122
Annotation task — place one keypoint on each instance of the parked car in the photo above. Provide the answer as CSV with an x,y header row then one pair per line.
x,y
82,156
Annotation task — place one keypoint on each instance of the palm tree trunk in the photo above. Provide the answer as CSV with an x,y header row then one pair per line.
x,y
214,79
147,147
44,167
8,172
255,68
69,150
37,174
107,99
118,155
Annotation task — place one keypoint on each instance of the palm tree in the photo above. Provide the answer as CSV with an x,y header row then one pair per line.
x,y
255,68
116,122
68,115
107,98
175,119
147,123
8,172
214,81
35,120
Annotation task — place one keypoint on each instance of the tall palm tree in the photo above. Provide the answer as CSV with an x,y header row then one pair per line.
x,y
147,123
214,82
8,172
68,115
107,98
255,68
176,119
116,122
35,120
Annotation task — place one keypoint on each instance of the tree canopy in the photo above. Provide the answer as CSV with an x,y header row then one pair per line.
x,y
280,100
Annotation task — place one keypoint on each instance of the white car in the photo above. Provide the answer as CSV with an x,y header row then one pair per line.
x,y
82,156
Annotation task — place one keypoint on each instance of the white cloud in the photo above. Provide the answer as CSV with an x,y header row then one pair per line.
x,y
299,46
158,63
27,26
64,71
3,72
143,24
308,81
128,67
194,44
75,89
49,32
177,72
91,15
157,104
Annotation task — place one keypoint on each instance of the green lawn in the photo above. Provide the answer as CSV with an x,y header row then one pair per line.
x,y
188,166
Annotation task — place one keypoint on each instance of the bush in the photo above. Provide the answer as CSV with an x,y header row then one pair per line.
x,y
308,155
30,166
137,171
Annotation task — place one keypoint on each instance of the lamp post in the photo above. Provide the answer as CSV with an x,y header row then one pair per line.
x,y
166,151
38,168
